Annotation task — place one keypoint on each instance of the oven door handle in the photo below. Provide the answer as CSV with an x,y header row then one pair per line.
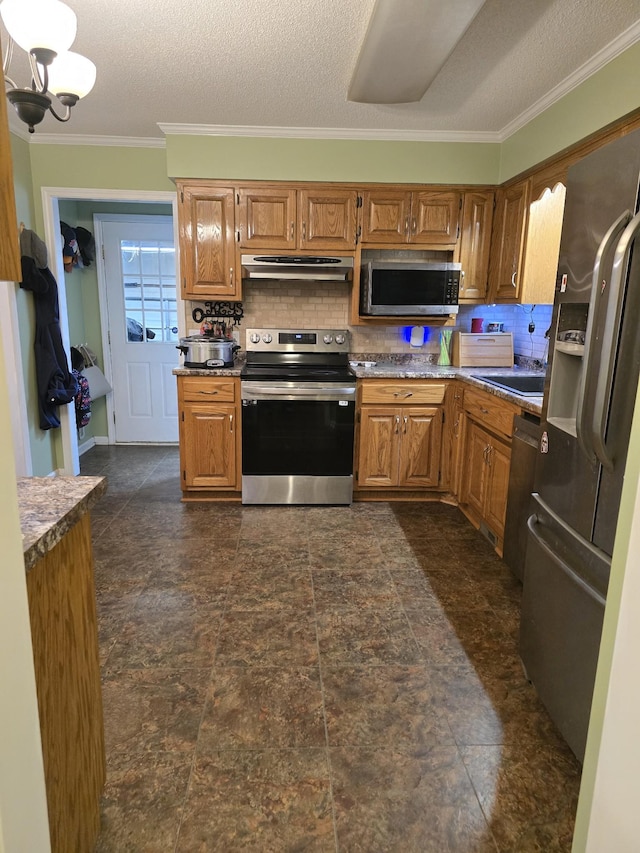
x,y
274,391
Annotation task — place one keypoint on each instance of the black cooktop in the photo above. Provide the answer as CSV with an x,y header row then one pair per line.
x,y
289,373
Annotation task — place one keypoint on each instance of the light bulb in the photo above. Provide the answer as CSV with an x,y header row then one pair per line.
x,y
46,24
71,74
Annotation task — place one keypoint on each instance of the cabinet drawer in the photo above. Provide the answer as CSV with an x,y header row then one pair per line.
x,y
410,391
201,388
496,414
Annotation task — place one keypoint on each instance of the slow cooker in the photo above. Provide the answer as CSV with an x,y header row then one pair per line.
x,y
208,352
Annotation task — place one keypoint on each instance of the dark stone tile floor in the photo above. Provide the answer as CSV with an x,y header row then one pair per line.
x,y
313,679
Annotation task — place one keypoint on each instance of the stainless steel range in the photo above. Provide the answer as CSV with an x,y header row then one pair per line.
x,y
298,412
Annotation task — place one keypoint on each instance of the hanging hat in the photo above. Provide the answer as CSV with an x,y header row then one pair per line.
x,y
31,246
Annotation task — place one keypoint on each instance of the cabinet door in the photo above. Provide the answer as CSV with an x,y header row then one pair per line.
x,y
207,247
266,218
451,437
327,219
475,241
434,218
508,242
208,438
421,438
498,461
474,483
378,458
385,216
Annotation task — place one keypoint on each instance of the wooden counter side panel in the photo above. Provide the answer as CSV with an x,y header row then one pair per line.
x,y
62,608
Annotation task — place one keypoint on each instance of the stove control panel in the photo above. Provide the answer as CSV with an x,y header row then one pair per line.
x,y
297,340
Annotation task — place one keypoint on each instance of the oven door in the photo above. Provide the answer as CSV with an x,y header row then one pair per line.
x,y
297,442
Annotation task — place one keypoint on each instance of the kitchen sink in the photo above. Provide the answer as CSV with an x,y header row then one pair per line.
x,y
527,386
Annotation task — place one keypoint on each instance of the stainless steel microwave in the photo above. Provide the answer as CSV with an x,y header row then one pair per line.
x,y
390,288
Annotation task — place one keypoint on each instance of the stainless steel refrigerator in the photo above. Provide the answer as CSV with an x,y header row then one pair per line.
x,y
594,365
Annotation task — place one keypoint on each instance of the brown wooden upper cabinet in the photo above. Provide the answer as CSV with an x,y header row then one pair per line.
x,y
400,217
207,242
313,219
474,244
526,242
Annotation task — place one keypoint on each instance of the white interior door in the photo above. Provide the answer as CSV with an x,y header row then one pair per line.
x,y
140,275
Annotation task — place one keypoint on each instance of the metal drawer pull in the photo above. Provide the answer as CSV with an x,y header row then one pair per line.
x,y
403,394
484,411
209,393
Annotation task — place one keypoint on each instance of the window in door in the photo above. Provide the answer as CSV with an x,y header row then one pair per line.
x,y
149,279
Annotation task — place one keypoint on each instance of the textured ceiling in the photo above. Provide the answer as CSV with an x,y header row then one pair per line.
x,y
288,63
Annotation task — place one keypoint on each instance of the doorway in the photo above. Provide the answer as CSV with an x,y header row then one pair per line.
x,y
137,284
69,463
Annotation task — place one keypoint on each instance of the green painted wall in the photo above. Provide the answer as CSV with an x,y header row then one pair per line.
x,y
606,96
97,166
252,158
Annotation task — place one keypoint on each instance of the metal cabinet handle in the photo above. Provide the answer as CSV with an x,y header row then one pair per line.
x,y
304,230
405,419
230,423
513,279
403,394
406,225
489,455
414,225
484,411
292,230
456,427
208,393
397,424
231,274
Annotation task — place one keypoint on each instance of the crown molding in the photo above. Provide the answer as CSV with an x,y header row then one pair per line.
x,y
624,41
105,141
362,134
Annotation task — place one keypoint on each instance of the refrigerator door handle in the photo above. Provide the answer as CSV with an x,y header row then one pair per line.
x,y
583,430
533,524
610,339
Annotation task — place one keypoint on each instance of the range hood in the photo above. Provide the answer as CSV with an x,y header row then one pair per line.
x,y
297,267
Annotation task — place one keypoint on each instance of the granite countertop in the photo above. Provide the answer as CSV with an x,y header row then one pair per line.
x,y
389,370
50,506
417,370
208,371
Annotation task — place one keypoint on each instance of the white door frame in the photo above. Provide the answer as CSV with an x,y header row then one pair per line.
x,y
98,219
52,237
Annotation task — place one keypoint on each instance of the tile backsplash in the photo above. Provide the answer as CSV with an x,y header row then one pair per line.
x,y
275,304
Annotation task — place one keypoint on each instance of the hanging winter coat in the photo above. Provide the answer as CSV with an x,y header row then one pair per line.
x,y
56,384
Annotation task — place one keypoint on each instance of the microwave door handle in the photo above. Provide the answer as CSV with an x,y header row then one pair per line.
x,y
610,340
588,361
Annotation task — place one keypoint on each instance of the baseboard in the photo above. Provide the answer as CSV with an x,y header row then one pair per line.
x,y
86,445
101,439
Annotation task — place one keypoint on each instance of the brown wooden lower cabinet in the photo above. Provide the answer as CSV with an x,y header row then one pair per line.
x,y
399,446
485,477
209,435
62,611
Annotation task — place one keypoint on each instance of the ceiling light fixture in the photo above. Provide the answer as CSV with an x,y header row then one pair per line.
x,y
45,29
405,46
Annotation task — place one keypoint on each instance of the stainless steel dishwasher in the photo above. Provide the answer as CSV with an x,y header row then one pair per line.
x,y
524,452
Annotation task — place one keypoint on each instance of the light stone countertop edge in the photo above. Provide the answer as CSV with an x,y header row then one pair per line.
x,y
49,507
469,375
